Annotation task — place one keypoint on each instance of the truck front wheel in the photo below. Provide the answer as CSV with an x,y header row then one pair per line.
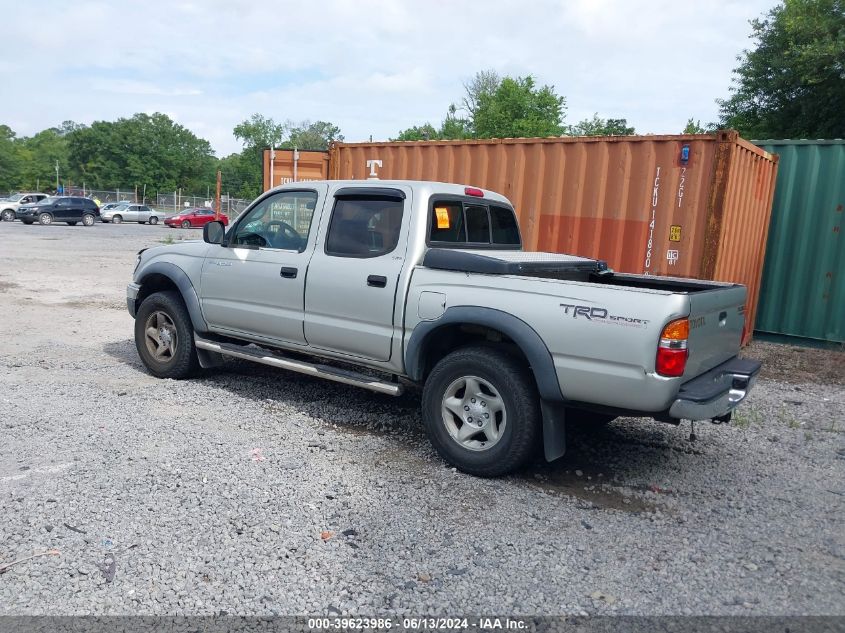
x,y
481,411
164,336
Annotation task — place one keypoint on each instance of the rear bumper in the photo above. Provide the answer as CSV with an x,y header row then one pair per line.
x,y
716,392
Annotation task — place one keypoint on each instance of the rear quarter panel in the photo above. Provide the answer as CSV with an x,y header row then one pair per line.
x,y
602,339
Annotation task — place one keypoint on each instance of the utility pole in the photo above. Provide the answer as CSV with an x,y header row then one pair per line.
x,y
217,205
57,176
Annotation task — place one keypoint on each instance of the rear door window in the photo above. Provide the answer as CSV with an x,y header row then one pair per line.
x,y
364,227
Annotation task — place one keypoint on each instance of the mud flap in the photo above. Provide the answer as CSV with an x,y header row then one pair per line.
x,y
554,429
208,359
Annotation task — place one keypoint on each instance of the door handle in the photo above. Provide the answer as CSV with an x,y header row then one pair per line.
x,y
377,281
288,272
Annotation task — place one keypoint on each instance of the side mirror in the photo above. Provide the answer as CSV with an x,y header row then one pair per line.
x,y
213,232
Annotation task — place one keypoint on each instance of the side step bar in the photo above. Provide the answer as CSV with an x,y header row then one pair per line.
x,y
265,357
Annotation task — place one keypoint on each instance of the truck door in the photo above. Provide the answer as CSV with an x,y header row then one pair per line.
x,y
351,291
253,285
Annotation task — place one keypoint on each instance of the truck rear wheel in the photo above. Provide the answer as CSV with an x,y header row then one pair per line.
x,y
481,411
164,336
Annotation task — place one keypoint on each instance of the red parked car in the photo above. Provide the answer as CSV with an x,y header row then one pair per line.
x,y
192,218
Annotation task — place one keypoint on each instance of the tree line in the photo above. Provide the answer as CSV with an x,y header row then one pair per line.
x,y
790,85
148,149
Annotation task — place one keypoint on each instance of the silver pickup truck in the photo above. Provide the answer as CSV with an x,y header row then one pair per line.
x,y
382,284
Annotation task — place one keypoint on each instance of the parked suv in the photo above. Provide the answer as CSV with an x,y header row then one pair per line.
x,y
68,209
9,206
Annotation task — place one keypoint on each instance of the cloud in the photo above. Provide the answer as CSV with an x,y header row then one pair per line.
x,y
131,87
370,66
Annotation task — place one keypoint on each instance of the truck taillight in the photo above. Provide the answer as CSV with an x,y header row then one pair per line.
x,y
473,191
672,350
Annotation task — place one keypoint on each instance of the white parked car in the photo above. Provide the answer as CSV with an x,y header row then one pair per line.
x,y
10,205
131,212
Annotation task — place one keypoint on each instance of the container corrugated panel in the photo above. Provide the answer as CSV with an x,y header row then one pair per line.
x,y
309,166
803,288
644,204
740,241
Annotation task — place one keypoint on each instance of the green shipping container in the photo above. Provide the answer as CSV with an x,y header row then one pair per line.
x,y
803,288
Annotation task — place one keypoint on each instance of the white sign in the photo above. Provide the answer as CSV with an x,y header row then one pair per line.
x,y
672,256
372,164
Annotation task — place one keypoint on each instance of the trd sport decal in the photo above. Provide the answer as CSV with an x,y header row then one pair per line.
x,y
600,315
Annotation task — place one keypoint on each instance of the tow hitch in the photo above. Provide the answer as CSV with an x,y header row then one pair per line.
x,y
722,419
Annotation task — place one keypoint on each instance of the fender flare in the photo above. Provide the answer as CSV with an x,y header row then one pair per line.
x,y
525,337
186,289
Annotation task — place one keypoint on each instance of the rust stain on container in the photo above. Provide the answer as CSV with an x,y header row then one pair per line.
x,y
309,166
683,205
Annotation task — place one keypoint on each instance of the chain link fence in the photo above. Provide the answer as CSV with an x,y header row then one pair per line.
x,y
164,202
174,202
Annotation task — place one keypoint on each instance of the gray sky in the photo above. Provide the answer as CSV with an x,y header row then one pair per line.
x,y
371,67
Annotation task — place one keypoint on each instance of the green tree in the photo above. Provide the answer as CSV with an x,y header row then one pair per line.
x,y
256,133
233,173
792,84
497,107
41,152
601,127
518,108
142,150
10,160
424,132
311,136
693,126
245,171
485,82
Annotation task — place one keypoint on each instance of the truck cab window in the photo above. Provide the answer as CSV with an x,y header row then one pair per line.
x,y
478,225
504,228
447,222
281,221
473,225
364,227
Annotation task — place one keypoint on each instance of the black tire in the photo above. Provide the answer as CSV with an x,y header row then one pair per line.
x,y
515,386
71,223
45,219
184,362
186,224
88,220
116,219
8,215
153,219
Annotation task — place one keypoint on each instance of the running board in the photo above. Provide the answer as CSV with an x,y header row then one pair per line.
x,y
265,357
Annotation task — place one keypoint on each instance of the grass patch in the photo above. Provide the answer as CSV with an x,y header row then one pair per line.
x,y
168,239
746,417
788,418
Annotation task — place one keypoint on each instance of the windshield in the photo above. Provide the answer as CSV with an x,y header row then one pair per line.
x,y
15,197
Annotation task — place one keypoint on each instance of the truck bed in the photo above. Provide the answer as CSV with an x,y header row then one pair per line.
x,y
554,266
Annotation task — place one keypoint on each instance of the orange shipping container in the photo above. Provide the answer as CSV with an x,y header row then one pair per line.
x,y
687,205
285,169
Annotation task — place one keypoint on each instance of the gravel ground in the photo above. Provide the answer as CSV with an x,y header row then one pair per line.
x,y
253,491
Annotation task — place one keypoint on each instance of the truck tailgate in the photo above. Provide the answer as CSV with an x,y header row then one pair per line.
x,y
717,318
